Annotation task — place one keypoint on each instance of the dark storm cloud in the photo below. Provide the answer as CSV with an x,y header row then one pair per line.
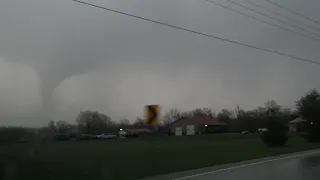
x,y
77,57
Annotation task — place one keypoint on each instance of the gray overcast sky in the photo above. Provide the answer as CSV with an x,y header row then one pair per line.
x,y
58,57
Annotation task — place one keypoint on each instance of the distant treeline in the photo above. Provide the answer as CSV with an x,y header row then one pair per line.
x,y
93,122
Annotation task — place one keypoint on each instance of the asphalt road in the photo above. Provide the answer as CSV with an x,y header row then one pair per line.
x,y
297,166
301,167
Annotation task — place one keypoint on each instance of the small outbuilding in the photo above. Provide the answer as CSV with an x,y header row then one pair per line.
x,y
196,125
298,125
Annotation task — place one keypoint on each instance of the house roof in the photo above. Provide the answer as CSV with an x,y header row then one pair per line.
x,y
297,120
204,120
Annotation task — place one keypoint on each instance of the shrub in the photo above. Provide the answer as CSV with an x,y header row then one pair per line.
x,y
313,133
309,108
15,134
276,134
274,138
61,137
312,137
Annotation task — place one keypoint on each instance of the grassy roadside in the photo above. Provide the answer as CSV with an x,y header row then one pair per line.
x,y
136,158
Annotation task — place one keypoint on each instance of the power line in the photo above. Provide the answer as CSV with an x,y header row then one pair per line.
x,y
292,11
200,33
263,21
279,14
276,19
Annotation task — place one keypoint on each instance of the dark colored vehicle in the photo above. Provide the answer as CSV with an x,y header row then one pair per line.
x,y
131,135
107,136
62,137
87,137
127,134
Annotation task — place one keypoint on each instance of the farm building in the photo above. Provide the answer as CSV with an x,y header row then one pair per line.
x,y
139,130
135,131
196,125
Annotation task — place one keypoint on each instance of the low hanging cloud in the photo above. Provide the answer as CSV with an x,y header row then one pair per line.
x,y
19,94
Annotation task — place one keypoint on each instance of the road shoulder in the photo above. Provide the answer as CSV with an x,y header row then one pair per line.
x,y
209,170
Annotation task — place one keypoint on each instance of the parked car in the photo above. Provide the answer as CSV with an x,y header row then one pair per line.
x,y
126,134
261,130
245,132
107,136
88,137
61,137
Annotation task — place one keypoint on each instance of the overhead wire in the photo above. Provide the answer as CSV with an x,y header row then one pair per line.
x,y
276,19
279,14
200,33
293,12
263,21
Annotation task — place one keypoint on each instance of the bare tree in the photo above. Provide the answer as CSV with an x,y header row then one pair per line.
x,y
203,112
139,121
124,121
225,115
171,116
95,122
63,127
52,125
272,107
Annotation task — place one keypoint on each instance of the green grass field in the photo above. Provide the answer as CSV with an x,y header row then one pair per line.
x,y
134,158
